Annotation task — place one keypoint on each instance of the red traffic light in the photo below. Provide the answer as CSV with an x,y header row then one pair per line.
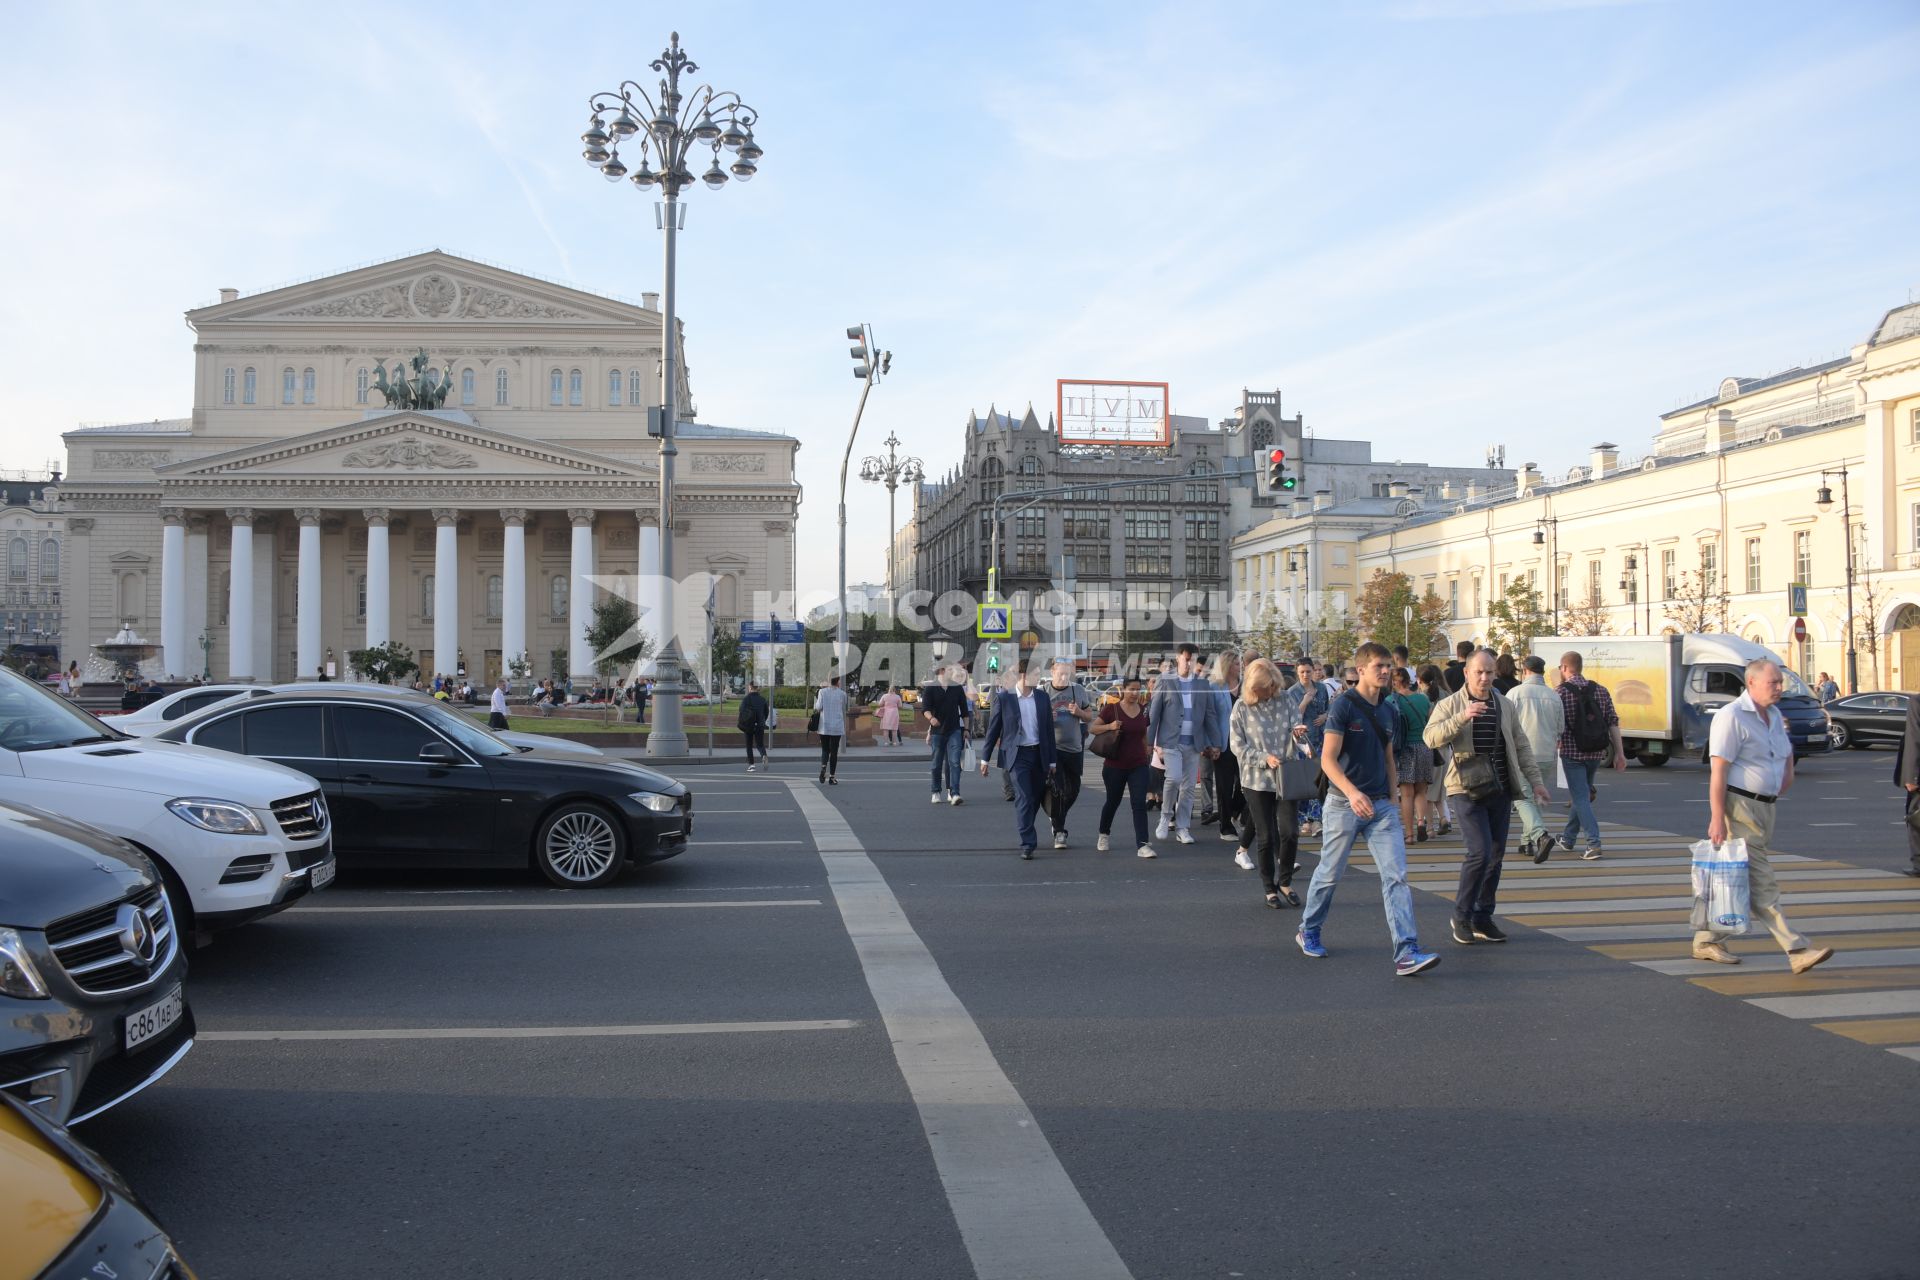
x,y
1278,455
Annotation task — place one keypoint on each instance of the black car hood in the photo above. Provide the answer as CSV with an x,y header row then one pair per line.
x,y
638,774
51,867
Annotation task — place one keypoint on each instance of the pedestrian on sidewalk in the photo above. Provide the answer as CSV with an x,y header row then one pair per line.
x,y
1262,737
1313,705
1751,758
1072,713
1357,758
1906,773
497,706
754,713
1827,689
1434,689
1021,727
830,706
1455,676
1124,771
890,704
1412,757
1506,675
1543,720
1593,729
1479,724
945,707
1186,726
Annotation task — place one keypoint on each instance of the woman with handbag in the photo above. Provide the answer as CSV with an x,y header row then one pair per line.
x,y
1491,759
1411,755
1263,741
829,720
1119,737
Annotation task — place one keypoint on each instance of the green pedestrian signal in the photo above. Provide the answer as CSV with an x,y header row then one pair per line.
x,y
993,659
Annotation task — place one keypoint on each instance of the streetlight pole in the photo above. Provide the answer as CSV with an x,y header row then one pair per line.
x,y
869,365
1634,574
1541,528
669,125
1823,499
892,471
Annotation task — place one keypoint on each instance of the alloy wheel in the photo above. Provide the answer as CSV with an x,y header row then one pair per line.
x,y
581,845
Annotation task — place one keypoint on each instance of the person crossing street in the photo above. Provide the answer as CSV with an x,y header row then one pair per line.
x,y
1072,713
1187,725
1021,726
945,707
1543,719
1592,733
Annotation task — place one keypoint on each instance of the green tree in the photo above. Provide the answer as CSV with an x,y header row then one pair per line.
x,y
1516,618
615,636
1589,617
1335,633
1270,635
389,663
727,655
1382,614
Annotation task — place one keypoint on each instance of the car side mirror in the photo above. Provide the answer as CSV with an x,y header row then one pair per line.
x,y
436,753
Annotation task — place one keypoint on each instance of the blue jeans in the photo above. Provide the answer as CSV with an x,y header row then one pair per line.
x,y
1387,842
1580,776
947,747
1029,789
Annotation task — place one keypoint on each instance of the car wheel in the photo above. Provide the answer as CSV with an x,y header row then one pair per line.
x,y
580,846
1837,735
1649,760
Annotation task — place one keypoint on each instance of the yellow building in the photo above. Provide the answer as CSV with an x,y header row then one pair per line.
x,y
1706,531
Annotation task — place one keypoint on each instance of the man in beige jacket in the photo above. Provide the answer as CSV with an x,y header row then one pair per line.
x,y
1481,726
1543,720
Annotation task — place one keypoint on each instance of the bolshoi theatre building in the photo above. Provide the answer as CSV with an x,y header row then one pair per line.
x,y
296,516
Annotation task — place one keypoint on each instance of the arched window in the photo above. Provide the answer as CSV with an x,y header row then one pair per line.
x,y
555,390
493,596
17,558
613,388
286,385
557,596
992,482
500,387
360,596
249,385
49,561
426,597
362,382
466,386
306,386
1029,466
576,388
226,386
633,386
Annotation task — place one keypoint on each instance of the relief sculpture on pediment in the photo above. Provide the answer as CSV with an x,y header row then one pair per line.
x,y
410,454
386,303
494,304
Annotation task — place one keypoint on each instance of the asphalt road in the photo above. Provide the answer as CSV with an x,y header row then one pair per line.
x,y
738,1064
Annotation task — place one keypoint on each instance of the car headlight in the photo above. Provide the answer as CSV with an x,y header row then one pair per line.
x,y
223,816
656,802
18,977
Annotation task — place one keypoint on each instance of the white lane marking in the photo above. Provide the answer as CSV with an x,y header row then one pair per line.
x,y
728,813
1019,1214
554,906
1658,932
1831,824
534,1033
1907,1053
1856,1005
1601,880
1872,959
717,844
1666,904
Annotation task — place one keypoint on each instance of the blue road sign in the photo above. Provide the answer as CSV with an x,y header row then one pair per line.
x,y
996,622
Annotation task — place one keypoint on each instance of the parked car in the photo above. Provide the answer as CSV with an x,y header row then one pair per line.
x,y
415,783
1862,719
233,839
64,1213
93,1004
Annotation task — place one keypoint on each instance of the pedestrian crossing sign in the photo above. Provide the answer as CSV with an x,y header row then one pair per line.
x,y
1796,599
996,622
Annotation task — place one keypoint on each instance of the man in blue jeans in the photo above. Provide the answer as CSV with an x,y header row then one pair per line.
x,y
1358,760
943,705
1592,729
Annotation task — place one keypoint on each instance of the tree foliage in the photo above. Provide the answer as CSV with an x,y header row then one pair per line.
x,y
616,637
1333,633
1270,635
1700,604
1382,615
1516,618
1587,618
389,663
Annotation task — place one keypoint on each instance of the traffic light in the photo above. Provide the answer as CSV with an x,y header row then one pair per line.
x,y
993,659
862,358
1278,478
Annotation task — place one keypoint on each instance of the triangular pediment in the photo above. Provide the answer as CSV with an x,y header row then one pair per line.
x,y
405,445
426,288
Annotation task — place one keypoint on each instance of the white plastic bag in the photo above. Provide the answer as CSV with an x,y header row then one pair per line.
x,y
969,759
773,719
1720,883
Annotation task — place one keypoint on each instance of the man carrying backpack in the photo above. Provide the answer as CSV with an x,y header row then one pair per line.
x,y
1592,731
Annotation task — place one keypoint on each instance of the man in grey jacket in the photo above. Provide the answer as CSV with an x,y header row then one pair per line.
x,y
1185,723
1543,719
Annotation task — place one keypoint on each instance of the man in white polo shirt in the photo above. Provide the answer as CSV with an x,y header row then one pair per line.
x,y
1752,763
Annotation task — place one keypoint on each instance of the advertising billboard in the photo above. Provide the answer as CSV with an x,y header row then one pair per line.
x,y
1112,412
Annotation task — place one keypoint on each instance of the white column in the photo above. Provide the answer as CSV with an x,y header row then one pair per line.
x,y
306,631
580,594
379,589
446,590
647,584
513,588
173,592
240,596
197,619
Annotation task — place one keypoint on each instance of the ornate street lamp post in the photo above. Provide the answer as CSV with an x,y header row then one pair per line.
x,y
1541,528
892,471
668,125
1823,499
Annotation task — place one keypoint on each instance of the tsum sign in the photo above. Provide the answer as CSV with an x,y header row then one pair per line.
x,y
1125,413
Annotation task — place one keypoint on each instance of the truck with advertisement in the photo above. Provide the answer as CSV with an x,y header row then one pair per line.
x,y
1665,689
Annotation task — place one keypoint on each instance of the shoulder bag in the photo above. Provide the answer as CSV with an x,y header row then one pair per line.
x,y
1105,744
1475,771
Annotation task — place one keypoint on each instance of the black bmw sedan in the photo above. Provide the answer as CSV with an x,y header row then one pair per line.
x,y
411,783
1863,719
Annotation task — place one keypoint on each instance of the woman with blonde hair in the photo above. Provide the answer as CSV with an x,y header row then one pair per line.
x,y
1262,734
1224,774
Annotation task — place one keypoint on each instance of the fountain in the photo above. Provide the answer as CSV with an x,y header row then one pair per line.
x,y
126,653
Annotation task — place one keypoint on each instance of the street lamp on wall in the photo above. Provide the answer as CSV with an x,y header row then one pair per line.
x,y
1544,528
1823,501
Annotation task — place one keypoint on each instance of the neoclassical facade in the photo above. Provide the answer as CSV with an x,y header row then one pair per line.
x,y
294,517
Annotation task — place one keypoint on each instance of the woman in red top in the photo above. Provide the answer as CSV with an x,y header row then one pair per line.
x,y
1126,768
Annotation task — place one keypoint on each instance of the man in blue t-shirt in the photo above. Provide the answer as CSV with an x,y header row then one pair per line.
x,y
1357,758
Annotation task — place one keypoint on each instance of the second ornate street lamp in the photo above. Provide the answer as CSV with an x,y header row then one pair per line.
x,y
1541,527
892,471
669,125
1823,499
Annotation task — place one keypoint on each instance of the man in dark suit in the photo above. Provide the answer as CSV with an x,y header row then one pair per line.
x,y
1906,772
1021,727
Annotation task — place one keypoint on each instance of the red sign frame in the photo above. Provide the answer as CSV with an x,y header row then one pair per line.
x,y
1125,436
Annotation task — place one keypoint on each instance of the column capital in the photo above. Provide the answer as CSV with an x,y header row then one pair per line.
x,y
445,517
777,526
582,517
514,516
197,522
173,515
683,526
242,515
307,515
79,524
648,519
376,515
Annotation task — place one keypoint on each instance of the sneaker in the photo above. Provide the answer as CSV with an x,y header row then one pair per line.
x,y
1026,854
1228,833
1414,962
955,799
1591,853
1059,839
1102,844
1541,848
1718,954
939,797
1801,961
1183,837
1243,860
1162,832
1489,932
1145,851
1308,940
750,768
1462,933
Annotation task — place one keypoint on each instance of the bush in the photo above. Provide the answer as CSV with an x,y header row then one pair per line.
x,y
793,698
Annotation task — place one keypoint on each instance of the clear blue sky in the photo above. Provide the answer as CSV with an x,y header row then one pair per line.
x,y
1435,224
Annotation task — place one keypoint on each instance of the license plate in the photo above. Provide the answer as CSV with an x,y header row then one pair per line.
x,y
154,1019
322,874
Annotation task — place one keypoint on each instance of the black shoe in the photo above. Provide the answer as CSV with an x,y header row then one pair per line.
x,y
823,775
1273,900
1462,934
833,782
1288,896
1488,932
1910,871
1027,854
1542,849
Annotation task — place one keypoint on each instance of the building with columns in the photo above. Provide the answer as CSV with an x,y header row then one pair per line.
x,y
293,518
